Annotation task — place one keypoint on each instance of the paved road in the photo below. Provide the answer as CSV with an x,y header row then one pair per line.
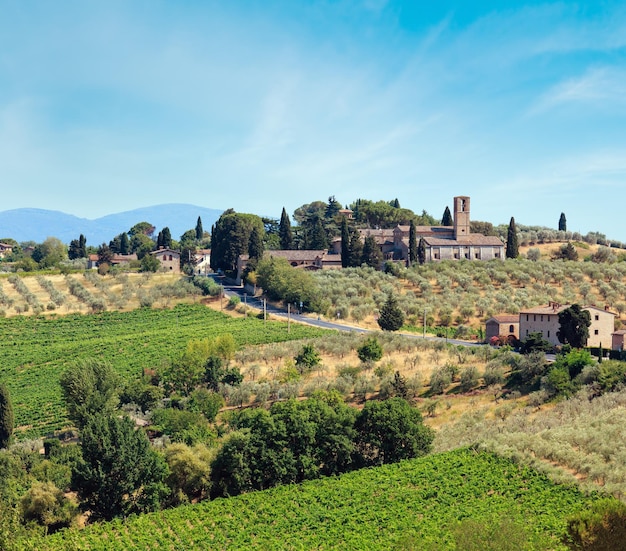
x,y
256,302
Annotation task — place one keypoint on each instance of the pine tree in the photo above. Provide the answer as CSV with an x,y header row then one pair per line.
x,y
421,251
391,317
284,232
333,207
412,243
512,246
345,243
562,223
447,218
316,239
6,416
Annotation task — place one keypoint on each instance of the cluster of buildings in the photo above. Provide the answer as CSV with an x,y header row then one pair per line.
x,y
545,321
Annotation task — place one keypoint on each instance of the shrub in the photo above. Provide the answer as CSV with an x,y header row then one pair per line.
x,y
602,527
370,351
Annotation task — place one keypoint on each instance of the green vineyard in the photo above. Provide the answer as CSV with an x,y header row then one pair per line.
x,y
416,504
35,351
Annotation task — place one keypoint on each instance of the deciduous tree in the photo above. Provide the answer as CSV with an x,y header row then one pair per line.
x,y
574,325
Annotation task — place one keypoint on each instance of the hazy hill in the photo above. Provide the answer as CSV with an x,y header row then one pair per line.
x,y
38,224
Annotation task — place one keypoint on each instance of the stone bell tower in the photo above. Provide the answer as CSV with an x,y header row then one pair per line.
x,y
461,218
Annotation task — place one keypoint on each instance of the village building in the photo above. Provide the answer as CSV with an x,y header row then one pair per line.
x,y
203,262
454,242
169,259
545,320
5,249
618,340
505,326
116,260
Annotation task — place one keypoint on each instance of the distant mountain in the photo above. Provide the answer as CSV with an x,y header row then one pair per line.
x,y
38,224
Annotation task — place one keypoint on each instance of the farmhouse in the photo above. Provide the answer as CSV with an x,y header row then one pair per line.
x,y
203,261
5,249
169,259
545,320
116,260
506,326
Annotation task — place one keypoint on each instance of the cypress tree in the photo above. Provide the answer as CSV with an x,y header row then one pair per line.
x,y
412,243
199,230
447,218
562,222
255,245
6,416
421,251
372,255
284,232
356,249
317,236
166,238
512,245
345,243
124,243
391,317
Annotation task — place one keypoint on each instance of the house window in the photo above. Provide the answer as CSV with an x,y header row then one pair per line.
x,y
541,317
477,255
596,332
170,258
467,255
436,253
548,318
534,318
497,255
526,332
597,317
511,329
548,334
526,317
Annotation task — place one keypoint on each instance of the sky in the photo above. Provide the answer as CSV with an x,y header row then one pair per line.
x,y
112,105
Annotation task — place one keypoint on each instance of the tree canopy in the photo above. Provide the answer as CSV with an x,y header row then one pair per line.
x,y
231,237
512,245
391,317
574,326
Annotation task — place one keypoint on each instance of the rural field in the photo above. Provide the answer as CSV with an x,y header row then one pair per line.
x,y
432,503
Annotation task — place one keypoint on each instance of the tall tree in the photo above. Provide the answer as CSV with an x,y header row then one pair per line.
x,y
316,237
119,473
345,243
164,238
89,388
391,317
574,325
356,248
255,245
284,232
412,243
371,255
105,254
562,222
230,238
6,416
512,245
124,243
447,220
332,208
77,248
199,230
395,203
421,251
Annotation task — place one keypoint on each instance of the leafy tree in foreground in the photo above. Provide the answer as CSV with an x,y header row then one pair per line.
x,y
370,350
390,431
512,245
391,317
89,388
119,473
574,326
6,416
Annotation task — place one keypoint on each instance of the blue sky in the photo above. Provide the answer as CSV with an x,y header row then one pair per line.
x,y
113,105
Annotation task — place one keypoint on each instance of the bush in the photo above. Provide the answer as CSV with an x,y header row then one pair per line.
x,y
602,527
370,351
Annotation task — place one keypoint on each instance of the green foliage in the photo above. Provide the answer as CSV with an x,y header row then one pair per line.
x,y
7,420
284,231
497,534
182,425
145,395
230,238
131,341
89,388
535,342
602,527
370,351
574,325
566,252
574,361
512,244
150,263
206,402
189,471
119,473
391,317
281,281
390,431
562,222
307,358
447,220
371,255
46,505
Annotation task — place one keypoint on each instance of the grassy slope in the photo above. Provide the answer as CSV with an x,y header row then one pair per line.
x,y
35,351
410,505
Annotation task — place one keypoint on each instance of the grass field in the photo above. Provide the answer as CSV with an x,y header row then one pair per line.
x,y
418,504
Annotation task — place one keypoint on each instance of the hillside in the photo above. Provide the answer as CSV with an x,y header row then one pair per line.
x,y
38,224
420,504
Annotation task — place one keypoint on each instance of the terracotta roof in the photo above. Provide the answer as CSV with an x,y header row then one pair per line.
x,y
471,239
505,318
620,332
553,308
295,255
